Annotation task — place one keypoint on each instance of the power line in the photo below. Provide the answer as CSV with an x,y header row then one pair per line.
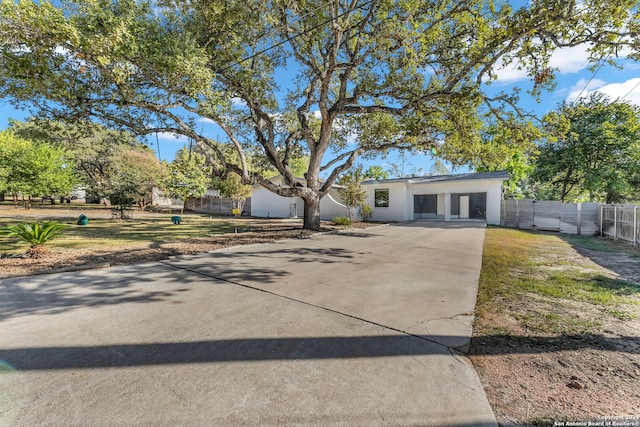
x,y
288,39
632,89
593,76
277,27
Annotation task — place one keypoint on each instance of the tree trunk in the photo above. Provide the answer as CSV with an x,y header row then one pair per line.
x,y
312,213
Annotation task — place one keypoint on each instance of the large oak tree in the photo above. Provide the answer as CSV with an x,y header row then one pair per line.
x,y
331,79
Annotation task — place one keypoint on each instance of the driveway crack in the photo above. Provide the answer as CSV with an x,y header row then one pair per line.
x,y
370,322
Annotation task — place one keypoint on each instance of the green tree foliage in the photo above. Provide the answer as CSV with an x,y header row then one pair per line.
x,y
375,172
298,166
593,151
188,175
386,74
30,169
366,212
233,188
36,235
352,193
93,147
507,145
439,168
132,176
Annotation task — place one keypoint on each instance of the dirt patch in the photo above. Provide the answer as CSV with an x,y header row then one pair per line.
x,y
588,374
621,265
539,380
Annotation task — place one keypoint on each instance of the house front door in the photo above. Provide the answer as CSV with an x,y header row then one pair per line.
x,y
464,207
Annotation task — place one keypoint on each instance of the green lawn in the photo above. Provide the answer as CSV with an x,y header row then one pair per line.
x,y
532,280
115,232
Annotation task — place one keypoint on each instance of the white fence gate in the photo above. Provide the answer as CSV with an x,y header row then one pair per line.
x,y
621,222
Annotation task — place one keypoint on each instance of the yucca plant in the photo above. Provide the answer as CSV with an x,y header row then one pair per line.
x,y
35,234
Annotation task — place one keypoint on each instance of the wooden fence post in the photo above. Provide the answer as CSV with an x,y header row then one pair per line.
x,y
615,222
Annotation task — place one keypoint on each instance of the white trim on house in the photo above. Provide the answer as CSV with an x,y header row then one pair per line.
x,y
436,197
441,193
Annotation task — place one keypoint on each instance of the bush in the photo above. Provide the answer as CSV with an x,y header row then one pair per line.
x,y
35,234
341,220
366,212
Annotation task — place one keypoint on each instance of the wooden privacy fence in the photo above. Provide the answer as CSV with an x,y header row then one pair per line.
x,y
570,218
621,222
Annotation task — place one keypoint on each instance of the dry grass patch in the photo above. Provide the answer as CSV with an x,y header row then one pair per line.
x,y
550,311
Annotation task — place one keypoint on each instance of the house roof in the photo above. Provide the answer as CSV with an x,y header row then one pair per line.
x,y
502,175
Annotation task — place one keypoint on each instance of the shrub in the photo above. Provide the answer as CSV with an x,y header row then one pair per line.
x,y
35,234
341,220
366,212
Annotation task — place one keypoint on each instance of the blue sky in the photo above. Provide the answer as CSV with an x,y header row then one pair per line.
x,y
573,78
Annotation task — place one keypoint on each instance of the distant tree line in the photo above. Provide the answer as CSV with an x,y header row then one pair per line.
x,y
587,150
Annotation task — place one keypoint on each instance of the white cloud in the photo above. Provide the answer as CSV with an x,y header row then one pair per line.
x,y
510,73
205,120
583,89
238,102
168,136
566,60
570,59
629,89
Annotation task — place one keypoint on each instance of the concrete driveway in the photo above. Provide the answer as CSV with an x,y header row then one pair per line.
x,y
355,328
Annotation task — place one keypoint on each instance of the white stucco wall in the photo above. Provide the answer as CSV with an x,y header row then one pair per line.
x,y
493,188
332,206
401,197
398,206
266,204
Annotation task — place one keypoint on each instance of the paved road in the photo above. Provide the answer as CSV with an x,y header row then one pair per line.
x,y
356,328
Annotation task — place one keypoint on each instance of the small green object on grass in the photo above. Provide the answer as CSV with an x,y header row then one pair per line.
x,y
82,220
176,219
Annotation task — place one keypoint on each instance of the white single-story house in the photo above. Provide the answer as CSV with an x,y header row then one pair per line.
x,y
266,204
445,197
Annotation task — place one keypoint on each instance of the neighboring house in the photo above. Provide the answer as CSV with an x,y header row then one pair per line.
x,y
266,204
447,197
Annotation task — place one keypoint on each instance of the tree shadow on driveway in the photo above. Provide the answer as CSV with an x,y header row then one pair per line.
x,y
145,283
264,349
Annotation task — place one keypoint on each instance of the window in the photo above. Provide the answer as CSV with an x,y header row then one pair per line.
x,y
382,198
